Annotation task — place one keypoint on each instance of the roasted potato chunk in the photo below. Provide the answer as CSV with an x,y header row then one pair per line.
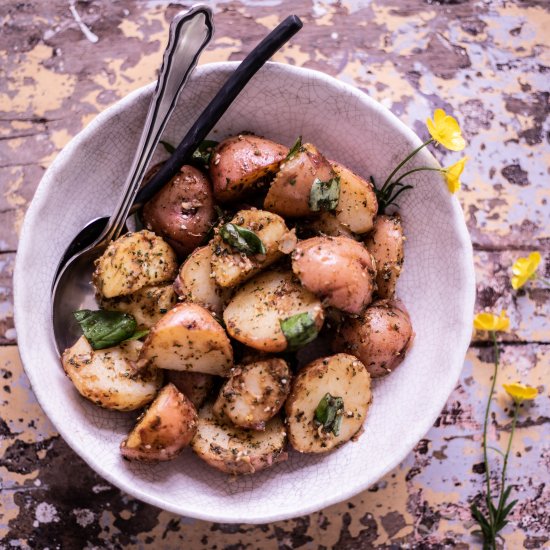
x,y
326,224
230,266
147,305
290,191
385,243
133,261
338,270
254,314
194,385
188,338
357,205
168,425
108,376
380,338
238,162
254,393
182,212
195,282
328,403
235,450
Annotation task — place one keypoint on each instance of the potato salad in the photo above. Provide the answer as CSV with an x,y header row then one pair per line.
x,y
249,312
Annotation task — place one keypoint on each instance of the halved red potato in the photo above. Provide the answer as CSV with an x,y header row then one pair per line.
x,y
254,393
238,162
340,381
108,377
231,266
290,191
380,338
133,261
338,270
254,314
182,212
164,429
386,244
357,205
195,282
235,450
188,338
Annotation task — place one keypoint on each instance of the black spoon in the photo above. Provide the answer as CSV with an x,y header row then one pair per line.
x,y
200,129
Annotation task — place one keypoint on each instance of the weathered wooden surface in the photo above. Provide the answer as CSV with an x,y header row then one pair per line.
x,y
486,62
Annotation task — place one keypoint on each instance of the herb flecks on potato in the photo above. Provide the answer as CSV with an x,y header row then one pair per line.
x,y
132,262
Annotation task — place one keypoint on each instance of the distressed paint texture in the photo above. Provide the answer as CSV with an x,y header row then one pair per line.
x,y
485,62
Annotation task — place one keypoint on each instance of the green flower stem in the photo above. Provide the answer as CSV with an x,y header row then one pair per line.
x,y
485,425
401,164
421,169
507,454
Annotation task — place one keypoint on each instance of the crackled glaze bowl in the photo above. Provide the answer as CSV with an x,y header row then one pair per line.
x,y
437,286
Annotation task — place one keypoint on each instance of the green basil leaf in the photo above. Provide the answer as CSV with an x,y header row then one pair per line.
x,y
324,195
137,335
295,149
299,330
203,152
168,146
242,239
104,329
329,413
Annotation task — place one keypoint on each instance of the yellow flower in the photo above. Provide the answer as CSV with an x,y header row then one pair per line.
x,y
524,269
445,130
453,173
489,321
519,392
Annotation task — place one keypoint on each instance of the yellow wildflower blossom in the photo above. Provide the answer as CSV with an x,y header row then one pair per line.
x,y
445,130
453,173
489,321
519,392
524,269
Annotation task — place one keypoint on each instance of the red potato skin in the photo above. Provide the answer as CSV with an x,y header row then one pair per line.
x,y
194,385
337,269
379,338
168,426
182,212
239,161
291,188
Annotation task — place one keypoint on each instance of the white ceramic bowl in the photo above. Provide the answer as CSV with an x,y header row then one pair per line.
x,y
437,286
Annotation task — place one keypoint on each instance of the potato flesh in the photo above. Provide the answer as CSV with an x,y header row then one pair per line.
x,y
336,269
108,377
327,224
254,393
289,193
254,313
231,267
167,426
357,205
182,212
385,243
188,338
380,338
147,305
196,284
238,162
133,261
235,450
194,385
340,375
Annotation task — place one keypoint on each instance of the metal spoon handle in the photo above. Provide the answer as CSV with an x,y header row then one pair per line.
x,y
190,32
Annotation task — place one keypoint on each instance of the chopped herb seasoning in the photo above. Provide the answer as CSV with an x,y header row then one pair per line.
x,y
201,155
299,330
324,195
104,329
295,149
242,239
328,413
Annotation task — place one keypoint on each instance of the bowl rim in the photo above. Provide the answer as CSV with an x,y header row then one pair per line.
x,y
462,340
